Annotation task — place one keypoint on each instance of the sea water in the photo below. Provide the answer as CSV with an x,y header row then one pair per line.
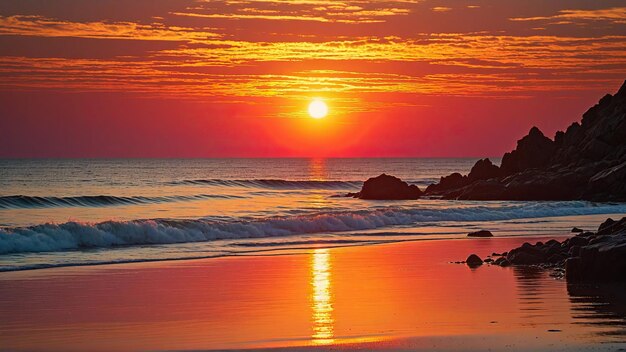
x,y
84,212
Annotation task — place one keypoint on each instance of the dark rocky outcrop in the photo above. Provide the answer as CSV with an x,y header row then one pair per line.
x,y
586,162
386,187
484,169
502,261
533,151
452,181
473,261
586,257
481,233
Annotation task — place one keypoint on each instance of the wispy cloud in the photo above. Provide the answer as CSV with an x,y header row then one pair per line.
x,y
615,15
514,67
213,61
441,9
346,11
49,27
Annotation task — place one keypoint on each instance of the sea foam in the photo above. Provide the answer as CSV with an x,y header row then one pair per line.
x,y
75,235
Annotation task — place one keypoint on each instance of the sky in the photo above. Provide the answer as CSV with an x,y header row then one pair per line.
x,y
233,78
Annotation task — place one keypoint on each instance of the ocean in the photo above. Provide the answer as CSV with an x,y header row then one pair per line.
x,y
85,212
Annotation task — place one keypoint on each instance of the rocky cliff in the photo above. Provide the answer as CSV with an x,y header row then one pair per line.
x,y
586,162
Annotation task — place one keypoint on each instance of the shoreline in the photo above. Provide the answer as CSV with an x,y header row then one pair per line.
x,y
282,251
314,300
425,231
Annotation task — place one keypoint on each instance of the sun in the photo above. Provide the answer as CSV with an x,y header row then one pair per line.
x,y
318,109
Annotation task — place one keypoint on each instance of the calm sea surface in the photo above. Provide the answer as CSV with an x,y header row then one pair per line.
x,y
77,212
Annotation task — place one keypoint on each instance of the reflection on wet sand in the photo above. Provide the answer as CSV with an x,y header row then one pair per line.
x,y
536,291
321,303
403,296
602,306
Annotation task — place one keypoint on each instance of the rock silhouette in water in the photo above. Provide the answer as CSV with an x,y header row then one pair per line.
x,y
386,187
481,233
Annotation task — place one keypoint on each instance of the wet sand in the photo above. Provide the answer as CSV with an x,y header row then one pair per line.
x,y
403,296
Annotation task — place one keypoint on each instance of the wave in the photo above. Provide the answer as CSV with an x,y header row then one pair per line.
x,y
27,202
75,235
273,184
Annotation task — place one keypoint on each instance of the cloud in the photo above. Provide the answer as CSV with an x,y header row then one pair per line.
x,y
254,16
237,64
514,51
441,9
346,11
468,65
49,27
616,15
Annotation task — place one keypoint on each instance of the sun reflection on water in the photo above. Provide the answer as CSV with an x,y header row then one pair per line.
x,y
317,169
321,304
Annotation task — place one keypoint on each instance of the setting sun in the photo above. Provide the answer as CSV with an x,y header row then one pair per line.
x,y
318,109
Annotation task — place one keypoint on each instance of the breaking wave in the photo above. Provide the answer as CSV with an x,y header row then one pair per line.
x,y
27,202
74,235
274,184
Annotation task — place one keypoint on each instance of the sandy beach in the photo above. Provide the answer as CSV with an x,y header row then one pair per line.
x,y
402,296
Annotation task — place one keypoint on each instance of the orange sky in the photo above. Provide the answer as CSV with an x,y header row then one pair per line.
x,y
194,78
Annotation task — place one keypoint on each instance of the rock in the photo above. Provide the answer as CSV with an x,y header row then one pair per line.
x,y
586,257
606,224
577,230
572,269
386,187
527,254
524,258
502,262
578,241
452,181
480,190
586,162
574,251
533,151
488,260
553,243
481,233
551,249
602,261
599,239
611,226
474,261
556,258
612,179
483,170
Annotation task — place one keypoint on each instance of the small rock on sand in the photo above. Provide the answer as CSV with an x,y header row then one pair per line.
x,y
473,261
